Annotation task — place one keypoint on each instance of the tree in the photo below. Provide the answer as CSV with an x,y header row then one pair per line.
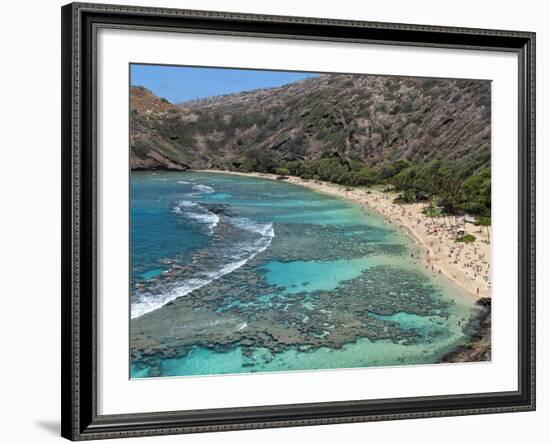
x,y
405,179
258,160
365,176
282,171
390,169
485,222
477,193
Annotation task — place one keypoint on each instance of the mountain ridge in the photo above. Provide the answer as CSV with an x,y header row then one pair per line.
x,y
369,118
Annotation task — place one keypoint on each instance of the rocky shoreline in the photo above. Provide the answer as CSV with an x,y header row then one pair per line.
x,y
477,345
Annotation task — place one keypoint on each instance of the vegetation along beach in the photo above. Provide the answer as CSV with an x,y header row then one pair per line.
x,y
324,221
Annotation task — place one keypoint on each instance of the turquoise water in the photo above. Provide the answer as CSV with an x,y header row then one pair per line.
x,y
232,274
300,276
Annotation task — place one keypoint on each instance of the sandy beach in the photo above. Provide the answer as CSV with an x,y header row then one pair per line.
x,y
466,264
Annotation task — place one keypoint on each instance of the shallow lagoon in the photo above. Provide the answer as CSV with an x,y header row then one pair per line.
x,y
233,274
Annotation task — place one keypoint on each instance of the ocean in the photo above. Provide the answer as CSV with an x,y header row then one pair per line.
x,y
233,274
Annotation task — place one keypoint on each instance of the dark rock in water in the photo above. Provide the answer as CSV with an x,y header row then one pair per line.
x,y
477,345
484,302
219,209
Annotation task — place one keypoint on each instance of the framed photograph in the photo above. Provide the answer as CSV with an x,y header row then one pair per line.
x,y
282,221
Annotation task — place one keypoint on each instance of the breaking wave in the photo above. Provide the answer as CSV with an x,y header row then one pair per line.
x,y
197,213
223,259
203,189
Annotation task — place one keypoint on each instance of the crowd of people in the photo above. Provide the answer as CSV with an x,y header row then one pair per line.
x,y
438,238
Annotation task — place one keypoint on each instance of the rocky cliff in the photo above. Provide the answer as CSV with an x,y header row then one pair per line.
x,y
370,119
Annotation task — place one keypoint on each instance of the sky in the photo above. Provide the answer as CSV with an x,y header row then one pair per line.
x,y
181,83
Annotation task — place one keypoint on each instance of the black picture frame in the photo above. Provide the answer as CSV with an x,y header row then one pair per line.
x,y
80,22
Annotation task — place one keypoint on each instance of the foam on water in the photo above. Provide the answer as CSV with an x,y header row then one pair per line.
x,y
239,255
198,213
248,225
203,188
